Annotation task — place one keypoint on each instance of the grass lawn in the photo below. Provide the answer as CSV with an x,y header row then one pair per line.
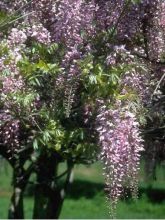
x,y
86,197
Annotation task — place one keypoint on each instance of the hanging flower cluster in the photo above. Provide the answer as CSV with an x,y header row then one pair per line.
x,y
74,29
121,144
10,133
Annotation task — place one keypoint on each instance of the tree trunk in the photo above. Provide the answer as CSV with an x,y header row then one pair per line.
x,y
20,180
49,196
56,198
46,172
47,205
54,205
16,207
40,202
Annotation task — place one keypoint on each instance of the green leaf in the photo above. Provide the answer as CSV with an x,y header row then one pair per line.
x,y
35,144
92,79
46,136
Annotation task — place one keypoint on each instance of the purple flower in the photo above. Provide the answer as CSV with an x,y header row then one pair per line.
x,y
121,144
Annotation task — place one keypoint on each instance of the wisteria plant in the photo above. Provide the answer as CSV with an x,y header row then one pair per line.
x,y
77,80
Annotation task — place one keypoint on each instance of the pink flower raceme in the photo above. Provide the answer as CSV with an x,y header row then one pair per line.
x,y
16,37
74,18
9,132
108,13
121,145
11,84
136,79
39,33
74,29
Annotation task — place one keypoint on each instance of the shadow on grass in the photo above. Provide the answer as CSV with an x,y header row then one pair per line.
x,y
88,189
153,195
82,188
